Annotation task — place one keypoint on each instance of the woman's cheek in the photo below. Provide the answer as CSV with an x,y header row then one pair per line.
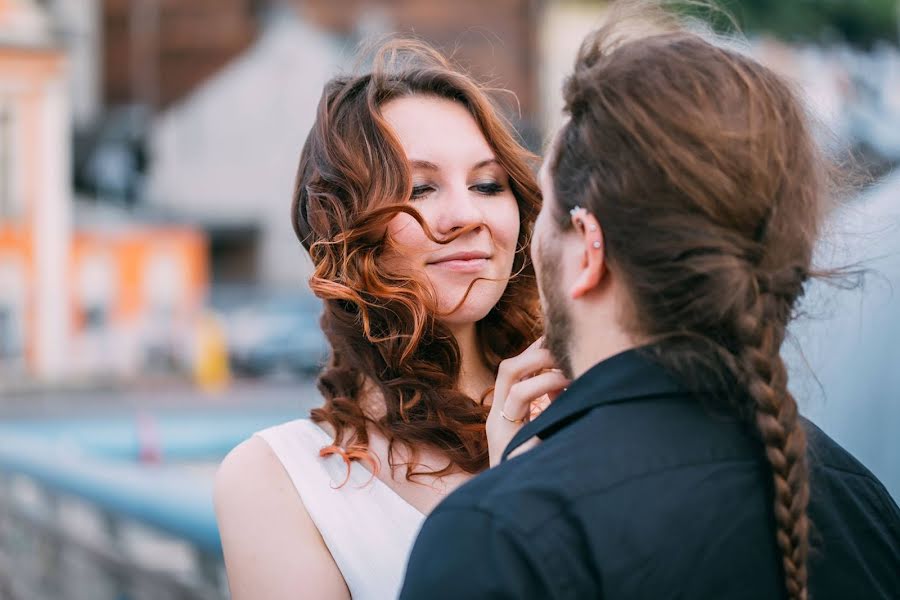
x,y
406,233
506,225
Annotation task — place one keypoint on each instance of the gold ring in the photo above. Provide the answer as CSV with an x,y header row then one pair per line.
x,y
514,421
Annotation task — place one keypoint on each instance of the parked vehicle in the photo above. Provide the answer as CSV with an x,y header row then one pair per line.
x,y
276,333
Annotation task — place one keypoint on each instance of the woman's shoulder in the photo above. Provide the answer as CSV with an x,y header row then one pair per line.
x,y
269,539
252,489
268,457
249,473
256,465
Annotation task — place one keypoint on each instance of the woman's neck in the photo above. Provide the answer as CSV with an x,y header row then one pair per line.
x,y
474,375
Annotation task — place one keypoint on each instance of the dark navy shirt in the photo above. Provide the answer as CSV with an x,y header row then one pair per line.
x,y
639,490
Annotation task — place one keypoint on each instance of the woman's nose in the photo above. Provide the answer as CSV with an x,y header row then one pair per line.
x,y
459,209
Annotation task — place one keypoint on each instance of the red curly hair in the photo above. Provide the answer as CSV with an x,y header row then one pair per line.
x,y
384,332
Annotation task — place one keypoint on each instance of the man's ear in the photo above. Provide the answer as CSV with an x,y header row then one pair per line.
x,y
592,266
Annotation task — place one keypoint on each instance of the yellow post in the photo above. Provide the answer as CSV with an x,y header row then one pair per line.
x,y
211,372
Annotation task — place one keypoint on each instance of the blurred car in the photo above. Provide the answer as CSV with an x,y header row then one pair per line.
x,y
276,334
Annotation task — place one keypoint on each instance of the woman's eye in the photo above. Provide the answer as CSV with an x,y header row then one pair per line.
x,y
488,189
420,191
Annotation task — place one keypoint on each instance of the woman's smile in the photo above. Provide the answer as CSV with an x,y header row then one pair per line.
x,y
462,262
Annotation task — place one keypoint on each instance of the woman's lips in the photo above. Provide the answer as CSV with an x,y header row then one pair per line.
x,y
462,265
469,261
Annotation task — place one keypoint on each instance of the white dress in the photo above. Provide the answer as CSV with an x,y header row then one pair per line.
x,y
366,525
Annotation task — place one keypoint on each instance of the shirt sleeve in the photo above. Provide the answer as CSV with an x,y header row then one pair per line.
x,y
467,553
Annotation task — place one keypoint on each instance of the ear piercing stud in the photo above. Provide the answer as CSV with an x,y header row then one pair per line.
x,y
578,213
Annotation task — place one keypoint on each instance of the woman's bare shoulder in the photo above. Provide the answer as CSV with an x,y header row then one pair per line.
x,y
271,545
251,460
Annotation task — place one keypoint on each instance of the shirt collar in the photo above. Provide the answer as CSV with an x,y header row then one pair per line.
x,y
627,376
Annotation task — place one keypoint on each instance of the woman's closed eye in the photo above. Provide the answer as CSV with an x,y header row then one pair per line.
x,y
420,191
488,188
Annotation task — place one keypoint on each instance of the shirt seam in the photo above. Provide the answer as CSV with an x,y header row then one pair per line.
x,y
866,476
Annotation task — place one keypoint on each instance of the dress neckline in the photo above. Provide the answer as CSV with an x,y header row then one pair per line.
x,y
375,479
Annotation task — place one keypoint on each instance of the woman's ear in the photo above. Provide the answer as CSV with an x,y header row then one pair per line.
x,y
592,266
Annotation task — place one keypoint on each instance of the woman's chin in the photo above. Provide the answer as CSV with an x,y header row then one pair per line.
x,y
472,311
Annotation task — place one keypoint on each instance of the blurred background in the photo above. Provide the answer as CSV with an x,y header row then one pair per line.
x,y
153,301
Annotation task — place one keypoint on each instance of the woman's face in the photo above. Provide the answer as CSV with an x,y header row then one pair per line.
x,y
457,183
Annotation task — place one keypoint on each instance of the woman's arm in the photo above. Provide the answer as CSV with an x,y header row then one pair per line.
x,y
272,548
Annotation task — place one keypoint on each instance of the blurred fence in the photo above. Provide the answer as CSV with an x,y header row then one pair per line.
x,y
117,509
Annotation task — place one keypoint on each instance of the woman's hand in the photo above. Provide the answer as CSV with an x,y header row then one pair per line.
x,y
531,377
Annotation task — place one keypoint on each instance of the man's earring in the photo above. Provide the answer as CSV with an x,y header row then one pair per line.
x,y
577,213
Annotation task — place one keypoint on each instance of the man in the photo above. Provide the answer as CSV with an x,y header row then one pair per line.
x,y
681,205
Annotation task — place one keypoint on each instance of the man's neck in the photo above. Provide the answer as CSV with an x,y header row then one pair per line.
x,y
603,341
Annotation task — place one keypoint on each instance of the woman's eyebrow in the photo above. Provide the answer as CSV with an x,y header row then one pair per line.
x,y
430,166
484,163
424,164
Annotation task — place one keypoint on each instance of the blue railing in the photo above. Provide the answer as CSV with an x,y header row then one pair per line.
x,y
96,463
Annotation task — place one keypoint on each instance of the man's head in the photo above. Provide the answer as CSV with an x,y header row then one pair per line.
x,y
682,201
684,189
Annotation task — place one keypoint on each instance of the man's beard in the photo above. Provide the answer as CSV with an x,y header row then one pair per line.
x,y
557,321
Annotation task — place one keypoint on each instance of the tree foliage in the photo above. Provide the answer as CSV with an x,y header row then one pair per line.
x,y
861,23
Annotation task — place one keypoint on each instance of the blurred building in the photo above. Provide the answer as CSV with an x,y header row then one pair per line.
x,y
35,204
229,89
137,298
497,41
225,156
155,52
80,293
563,27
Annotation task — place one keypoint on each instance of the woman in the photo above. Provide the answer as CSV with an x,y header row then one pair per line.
x,y
416,204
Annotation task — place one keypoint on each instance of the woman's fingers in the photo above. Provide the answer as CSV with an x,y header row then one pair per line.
x,y
512,370
540,405
528,378
523,393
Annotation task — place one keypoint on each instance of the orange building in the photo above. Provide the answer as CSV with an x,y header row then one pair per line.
x,y
137,293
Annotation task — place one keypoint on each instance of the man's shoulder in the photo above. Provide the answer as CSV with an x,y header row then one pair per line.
x,y
842,483
595,462
504,488
855,536
829,459
482,531
526,492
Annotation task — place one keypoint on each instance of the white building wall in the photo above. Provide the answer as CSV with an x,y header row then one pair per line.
x,y
227,155
52,235
564,26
